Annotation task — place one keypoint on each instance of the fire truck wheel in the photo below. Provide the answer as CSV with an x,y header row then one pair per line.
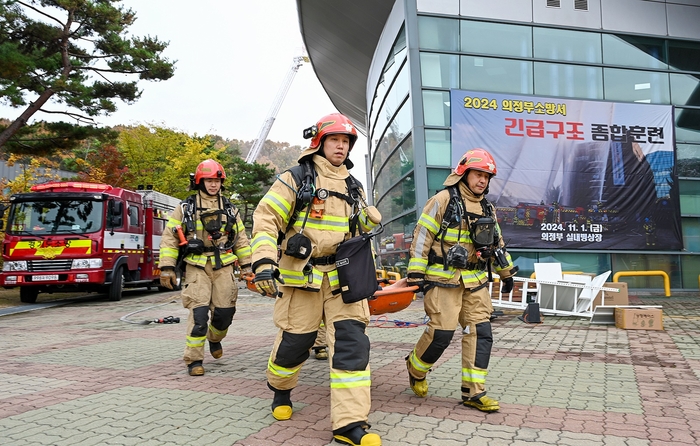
x,y
115,290
28,295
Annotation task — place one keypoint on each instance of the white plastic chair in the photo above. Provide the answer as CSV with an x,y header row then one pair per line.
x,y
587,295
548,272
551,272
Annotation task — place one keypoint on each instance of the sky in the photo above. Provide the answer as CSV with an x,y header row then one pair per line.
x,y
232,58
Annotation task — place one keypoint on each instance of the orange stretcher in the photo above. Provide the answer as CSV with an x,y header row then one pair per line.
x,y
390,299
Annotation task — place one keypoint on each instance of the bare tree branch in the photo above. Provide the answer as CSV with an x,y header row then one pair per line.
x,y
26,5
67,113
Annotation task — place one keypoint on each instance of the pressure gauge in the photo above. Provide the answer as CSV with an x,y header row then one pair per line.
x,y
321,194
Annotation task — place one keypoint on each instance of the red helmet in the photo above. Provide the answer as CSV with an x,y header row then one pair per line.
x,y
331,124
477,159
209,169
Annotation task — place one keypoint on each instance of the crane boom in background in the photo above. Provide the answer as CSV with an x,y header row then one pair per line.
x,y
281,94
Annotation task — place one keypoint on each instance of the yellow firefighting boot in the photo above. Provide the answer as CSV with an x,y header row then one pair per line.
x,y
281,404
357,436
321,353
216,350
419,386
482,402
195,368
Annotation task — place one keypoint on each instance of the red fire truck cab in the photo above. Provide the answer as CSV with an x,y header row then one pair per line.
x,y
84,237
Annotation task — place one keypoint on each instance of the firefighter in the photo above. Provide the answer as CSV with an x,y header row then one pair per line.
x,y
308,293
216,238
456,247
649,231
320,348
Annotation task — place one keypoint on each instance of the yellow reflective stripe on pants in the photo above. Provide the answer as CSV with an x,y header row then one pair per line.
x,y
417,363
216,332
351,380
280,371
474,376
196,341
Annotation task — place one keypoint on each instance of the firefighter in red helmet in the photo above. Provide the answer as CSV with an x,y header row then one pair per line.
x,y
456,246
316,205
215,240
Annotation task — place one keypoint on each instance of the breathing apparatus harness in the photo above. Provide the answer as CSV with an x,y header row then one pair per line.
x,y
299,245
483,234
213,224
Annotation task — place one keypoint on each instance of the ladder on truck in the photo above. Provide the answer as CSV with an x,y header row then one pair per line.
x,y
272,114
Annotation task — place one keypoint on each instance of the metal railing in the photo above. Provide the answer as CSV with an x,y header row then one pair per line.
x,y
667,281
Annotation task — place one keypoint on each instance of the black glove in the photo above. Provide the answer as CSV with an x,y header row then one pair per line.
x,y
416,279
507,286
265,277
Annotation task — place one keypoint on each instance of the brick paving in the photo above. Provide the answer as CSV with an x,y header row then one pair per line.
x,y
76,374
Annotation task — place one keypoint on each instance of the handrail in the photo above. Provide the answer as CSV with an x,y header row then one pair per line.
x,y
392,275
381,274
667,281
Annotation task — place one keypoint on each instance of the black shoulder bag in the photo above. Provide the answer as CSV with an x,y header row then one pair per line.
x,y
355,264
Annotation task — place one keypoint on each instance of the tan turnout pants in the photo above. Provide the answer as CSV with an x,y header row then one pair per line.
x,y
210,296
298,314
446,308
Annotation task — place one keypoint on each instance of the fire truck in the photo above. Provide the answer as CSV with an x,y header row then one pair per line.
x,y
531,214
83,237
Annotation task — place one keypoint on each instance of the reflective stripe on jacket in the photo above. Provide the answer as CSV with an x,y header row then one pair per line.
x,y
170,243
424,239
327,228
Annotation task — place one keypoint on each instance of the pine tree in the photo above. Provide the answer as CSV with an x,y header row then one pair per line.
x,y
75,54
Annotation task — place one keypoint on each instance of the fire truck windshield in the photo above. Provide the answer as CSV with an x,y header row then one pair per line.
x,y
55,217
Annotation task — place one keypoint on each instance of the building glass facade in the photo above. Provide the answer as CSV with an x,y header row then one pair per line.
x,y
460,52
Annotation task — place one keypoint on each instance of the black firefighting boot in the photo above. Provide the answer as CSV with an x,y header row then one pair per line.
x,y
195,368
281,404
216,350
358,436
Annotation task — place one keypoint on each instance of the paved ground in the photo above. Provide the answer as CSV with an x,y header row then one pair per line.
x,y
79,375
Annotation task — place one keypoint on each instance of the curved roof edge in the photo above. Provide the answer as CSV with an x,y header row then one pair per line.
x,y
340,38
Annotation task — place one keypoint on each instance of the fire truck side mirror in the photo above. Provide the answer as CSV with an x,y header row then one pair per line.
x,y
116,210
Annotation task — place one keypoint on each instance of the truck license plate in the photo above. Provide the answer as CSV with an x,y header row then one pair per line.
x,y
45,277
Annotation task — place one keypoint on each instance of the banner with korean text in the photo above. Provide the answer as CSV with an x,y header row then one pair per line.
x,y
575,174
